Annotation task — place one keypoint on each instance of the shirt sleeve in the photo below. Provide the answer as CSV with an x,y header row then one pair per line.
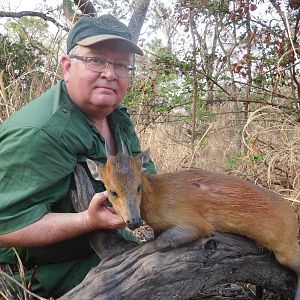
x,y
35,172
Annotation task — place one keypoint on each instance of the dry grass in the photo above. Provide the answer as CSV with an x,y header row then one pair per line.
x,y
171,150
270,137
11,289
273,138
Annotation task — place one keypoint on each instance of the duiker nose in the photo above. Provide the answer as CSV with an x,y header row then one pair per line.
x,y
134,223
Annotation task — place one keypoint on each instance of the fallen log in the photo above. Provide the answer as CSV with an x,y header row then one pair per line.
x,y
144,273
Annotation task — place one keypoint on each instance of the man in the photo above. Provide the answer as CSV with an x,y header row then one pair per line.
x,y
40,146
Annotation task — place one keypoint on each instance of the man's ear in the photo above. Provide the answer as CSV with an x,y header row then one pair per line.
x,y
145,158
65,63
95,168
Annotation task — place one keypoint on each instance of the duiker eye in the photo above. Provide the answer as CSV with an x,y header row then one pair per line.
x,y
113,193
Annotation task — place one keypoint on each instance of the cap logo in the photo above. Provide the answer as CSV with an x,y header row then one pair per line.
x,y
108,22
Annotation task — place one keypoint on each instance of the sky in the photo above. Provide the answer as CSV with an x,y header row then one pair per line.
x,y
20,5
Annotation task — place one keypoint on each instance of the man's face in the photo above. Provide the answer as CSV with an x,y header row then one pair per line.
x,y
96,93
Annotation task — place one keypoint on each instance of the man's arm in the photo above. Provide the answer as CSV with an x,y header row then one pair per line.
x,y
56,227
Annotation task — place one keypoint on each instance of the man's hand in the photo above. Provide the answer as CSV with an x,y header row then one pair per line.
x,y
56,227
99,216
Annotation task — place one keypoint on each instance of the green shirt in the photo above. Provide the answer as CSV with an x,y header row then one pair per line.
x,y
40,146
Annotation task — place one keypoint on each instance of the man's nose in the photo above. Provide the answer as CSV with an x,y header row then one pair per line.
x,y
109,71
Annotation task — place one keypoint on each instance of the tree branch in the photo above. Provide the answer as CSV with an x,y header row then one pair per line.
x,y
9,14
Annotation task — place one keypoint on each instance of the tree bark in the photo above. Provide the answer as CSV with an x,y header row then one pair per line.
x,y
145,273
137,19
195,98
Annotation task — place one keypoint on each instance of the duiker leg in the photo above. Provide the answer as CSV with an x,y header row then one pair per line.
x,y
179,235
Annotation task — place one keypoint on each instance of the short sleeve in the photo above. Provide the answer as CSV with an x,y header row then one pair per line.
x,y
34,174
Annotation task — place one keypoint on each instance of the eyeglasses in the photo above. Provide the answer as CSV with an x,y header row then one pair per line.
x,y
99,65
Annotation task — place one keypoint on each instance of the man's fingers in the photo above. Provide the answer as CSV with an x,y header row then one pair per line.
x,y
100,197
102,216
111,209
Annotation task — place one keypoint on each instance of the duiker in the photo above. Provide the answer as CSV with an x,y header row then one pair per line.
x,y
190,204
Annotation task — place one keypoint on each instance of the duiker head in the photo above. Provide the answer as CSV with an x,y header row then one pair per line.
x,y
121,176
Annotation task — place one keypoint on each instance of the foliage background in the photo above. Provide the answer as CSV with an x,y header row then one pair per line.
x,y
218,87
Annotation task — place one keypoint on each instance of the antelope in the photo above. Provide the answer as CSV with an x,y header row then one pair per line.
x,y
190,204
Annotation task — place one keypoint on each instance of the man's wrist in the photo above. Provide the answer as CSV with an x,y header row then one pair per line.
x,y
86,223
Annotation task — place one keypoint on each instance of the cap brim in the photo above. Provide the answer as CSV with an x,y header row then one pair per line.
x,y
104,37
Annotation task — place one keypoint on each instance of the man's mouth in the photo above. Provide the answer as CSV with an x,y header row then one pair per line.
x,y
106,88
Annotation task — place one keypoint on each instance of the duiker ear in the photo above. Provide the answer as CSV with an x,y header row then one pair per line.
x,y
145,158
107,150
95,168
124,148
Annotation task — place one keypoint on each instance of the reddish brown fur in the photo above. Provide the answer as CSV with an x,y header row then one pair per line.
x,y
224,203
188,205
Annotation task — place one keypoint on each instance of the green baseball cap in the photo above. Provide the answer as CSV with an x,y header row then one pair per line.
x,y
91,30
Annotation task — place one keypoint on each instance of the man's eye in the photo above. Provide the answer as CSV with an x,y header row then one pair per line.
x,y
121,65
97,61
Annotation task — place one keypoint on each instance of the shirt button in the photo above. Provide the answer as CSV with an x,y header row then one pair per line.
x,y
64,110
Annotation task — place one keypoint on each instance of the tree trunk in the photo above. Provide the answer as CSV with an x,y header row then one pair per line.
x,y
137,19
195,80
249,65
